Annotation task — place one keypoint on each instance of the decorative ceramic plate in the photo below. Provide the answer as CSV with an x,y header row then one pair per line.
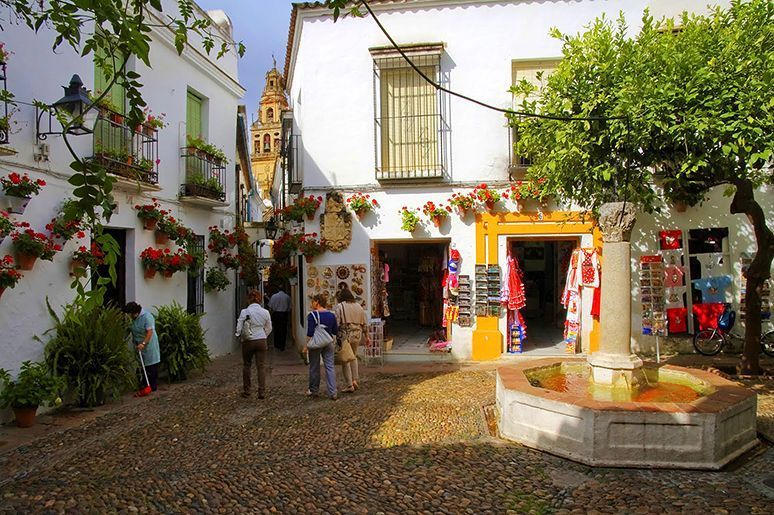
x,y
342,272
312,271
310,283
327,272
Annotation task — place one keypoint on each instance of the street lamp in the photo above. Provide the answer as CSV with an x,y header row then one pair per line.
x,y
77,106
271,229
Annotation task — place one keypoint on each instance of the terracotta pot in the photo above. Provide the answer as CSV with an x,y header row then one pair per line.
x,y
25,261
309,259
490,205
148,130
149,224
117,118
361,213
150,273
78,268
25,417
162,238
680,206
310,217
16,205
437,221
462,211
167,273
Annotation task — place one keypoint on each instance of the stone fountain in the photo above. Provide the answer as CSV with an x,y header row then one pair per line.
x,y
612,410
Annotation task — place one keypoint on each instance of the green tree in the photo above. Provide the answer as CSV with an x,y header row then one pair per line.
x,y
684,105
111,32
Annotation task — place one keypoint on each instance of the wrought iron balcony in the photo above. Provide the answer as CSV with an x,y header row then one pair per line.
x,y
205,175
125,151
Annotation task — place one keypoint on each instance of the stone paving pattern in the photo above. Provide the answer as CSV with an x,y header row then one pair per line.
x,y
404,443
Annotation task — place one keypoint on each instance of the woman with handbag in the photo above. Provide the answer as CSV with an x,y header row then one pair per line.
x,y
253,327
351,319
321,330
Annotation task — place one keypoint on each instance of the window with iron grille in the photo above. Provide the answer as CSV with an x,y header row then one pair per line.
x,y
410,127
196,283
534,72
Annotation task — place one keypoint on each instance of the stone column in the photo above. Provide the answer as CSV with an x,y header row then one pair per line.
x,y
615,364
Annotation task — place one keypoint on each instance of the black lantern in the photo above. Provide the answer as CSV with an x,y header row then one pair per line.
x,y
76,105
271,229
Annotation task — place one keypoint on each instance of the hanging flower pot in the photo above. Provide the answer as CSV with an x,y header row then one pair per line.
x,y
25,417
680,206
116,118
78,268
150,273
167,273
462,211
149,224
489,205
25,261
16,204
147,130
310,216
361,213
437,221
309,259
162,238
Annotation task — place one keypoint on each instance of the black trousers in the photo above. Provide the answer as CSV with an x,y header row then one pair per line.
x,y
153,376
279,323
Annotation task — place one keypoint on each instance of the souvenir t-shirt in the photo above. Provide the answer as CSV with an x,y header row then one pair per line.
x,y
677,319
672,257
712,265
713,289
671,239
673,297
673,276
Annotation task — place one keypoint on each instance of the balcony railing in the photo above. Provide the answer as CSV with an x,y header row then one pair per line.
x,y
130,152
205,175
5,120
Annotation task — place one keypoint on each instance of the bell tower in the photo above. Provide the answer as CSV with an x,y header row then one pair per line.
x,y
265,131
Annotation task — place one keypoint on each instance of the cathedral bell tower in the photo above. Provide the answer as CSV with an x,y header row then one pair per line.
x,y
265,131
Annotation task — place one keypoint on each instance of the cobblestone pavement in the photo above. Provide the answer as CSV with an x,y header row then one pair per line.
x,y
404,443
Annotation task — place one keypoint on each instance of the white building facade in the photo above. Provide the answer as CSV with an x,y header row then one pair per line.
x,y
190,90
352,97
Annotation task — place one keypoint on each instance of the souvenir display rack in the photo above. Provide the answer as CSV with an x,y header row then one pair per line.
x,y
464,300
654,321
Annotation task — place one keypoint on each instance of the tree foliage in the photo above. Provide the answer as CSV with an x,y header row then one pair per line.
x,y
686,105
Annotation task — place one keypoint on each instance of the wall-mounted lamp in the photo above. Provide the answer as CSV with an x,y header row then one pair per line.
x,y
76,105
271,229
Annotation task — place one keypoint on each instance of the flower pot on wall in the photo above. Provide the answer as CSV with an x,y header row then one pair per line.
x,y
680,206
78,268
489,205
309,259
150,273
167,273
25,417
149,224
15,204
161,238
438,220
25,261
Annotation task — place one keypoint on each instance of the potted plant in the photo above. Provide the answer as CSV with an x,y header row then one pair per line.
x,y
220,241
152,123
409,219
33,386
181,341
436,213
4,54
180,260
285,245
486,195
153,261
228,260
361,204
150,214
87,257
6,225
30,245
67,224
215,280
19,189
310,246
303,207
166,229
463,203
9,276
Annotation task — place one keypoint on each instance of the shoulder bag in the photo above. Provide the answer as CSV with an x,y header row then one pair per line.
x,y
247,330
321,337
344,352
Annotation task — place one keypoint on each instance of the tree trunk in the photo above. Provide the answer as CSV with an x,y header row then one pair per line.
x,y
759,270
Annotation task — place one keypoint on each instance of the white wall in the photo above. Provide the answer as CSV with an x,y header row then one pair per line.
x,y
330,86
36,72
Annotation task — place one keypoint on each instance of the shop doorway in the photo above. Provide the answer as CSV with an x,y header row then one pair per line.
x,y
115,294
544,263
415,293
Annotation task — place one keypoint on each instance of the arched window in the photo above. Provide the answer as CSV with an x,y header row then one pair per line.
x,y
270,115
266,143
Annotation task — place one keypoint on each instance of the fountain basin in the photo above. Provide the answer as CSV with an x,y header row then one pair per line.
x,y
704,433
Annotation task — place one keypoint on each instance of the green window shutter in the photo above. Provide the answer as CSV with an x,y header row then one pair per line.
x,y
193,119
117,94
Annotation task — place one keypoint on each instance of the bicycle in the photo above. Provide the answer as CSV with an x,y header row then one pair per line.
x,y
710,342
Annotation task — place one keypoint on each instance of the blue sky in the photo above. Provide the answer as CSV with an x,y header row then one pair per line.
x,y
263,26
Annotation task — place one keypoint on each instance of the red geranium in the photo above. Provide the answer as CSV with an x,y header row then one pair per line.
x,y
17,185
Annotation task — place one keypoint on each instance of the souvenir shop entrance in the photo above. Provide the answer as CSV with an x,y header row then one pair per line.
x,y
414,276
543,263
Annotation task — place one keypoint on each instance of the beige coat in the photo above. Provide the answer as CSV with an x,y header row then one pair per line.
x,y
354,314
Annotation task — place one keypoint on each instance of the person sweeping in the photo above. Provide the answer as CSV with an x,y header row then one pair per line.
x,y
146,342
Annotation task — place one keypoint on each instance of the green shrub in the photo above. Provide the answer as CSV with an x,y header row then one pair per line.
x,y
90,350
181,341
34,386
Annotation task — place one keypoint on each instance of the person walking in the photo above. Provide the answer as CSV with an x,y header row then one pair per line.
x,y
279,305
321,315
351,320
255,346
146,341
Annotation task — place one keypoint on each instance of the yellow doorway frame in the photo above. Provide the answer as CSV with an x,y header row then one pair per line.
x,y
487,339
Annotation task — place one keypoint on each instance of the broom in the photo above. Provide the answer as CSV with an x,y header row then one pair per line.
x,y
147,390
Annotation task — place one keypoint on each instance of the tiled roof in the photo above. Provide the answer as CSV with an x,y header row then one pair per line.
x,y
315,5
